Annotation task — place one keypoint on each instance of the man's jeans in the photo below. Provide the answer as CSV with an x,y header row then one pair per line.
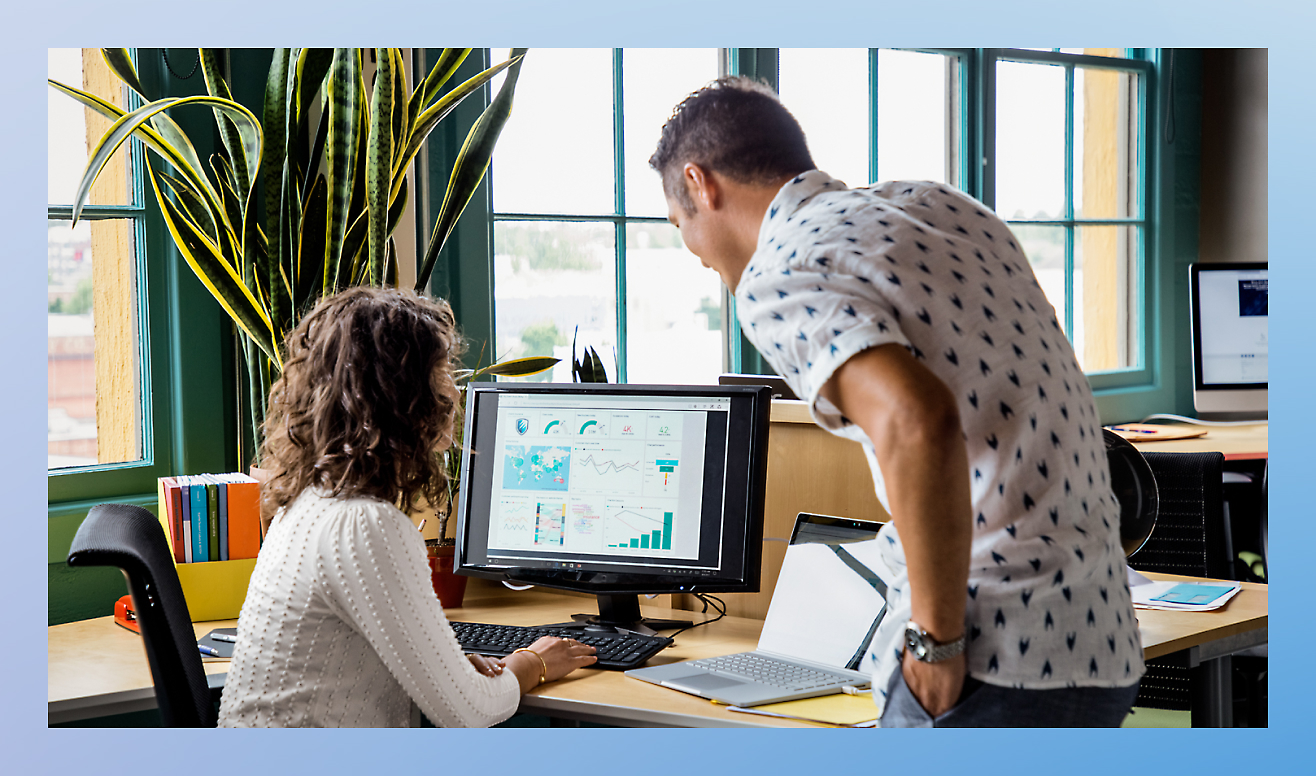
x,y
987,705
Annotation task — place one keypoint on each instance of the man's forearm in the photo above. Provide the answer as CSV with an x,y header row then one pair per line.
x,y
912,420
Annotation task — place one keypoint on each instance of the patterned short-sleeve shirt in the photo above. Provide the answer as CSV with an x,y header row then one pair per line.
x,y
924,266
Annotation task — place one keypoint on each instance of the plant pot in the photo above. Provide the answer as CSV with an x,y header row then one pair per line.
x,y
449,587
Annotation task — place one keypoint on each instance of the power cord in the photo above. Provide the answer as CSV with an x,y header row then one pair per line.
x,y
718,605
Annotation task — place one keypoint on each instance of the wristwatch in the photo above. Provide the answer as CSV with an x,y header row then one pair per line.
x,y
920,644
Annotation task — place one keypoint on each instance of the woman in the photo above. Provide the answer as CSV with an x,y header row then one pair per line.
x,y
341,626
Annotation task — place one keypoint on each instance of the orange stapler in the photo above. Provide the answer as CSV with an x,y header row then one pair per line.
x,y
124,615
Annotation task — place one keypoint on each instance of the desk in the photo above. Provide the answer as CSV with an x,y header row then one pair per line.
x,y
97,668
1238,443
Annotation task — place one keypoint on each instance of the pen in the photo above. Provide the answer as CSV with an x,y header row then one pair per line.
x,y
224,637
1134,430
208,651
421,527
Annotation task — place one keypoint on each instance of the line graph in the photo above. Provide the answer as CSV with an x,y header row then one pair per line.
x,y
613,470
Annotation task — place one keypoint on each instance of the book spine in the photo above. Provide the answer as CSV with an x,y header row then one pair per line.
x,y
221,490
185,502
212,514
200,529
243,517
172,514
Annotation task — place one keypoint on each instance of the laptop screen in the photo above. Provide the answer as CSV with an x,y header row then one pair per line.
x,y
828,600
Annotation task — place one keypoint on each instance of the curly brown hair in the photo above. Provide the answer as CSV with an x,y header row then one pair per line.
x,y
365,401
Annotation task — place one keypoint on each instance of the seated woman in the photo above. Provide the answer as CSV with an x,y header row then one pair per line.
x,y
341,626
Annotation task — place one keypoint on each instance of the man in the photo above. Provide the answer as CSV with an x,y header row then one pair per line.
x,y
910,320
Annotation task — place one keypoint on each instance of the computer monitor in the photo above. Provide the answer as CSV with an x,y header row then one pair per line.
x,y
614,490
1229,308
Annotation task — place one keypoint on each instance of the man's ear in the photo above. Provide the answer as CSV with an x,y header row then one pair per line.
x,y
702,185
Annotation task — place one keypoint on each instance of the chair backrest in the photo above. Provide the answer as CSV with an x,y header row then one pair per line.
x,y
132,539
1189,537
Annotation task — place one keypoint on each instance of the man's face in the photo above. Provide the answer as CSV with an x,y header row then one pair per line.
x,y
691,227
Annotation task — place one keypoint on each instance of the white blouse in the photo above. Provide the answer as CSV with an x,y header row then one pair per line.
x,y
341,628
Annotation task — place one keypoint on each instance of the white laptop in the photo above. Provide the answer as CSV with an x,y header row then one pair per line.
x,y
823,614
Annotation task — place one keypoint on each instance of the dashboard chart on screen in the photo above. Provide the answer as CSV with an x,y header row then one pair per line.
x,y
601,481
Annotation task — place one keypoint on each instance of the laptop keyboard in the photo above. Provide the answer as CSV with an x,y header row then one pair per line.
x,y
616,651
766,670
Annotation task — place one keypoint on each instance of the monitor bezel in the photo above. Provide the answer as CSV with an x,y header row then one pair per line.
x,y
758,400
1220,397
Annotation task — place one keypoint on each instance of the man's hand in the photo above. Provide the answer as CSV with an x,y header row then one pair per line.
x,y
936,686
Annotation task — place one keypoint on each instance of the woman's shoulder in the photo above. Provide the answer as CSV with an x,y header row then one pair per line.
x,y
321,506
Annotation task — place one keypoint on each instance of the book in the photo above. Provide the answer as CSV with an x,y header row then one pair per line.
x,y
200,521
212,516
243,516
185,506
171,515
221,490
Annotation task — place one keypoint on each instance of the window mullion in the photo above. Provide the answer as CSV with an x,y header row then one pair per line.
x,y
619,196
1069,202
872,115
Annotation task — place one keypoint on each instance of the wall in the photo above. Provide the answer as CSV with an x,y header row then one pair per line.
x,y
1234,154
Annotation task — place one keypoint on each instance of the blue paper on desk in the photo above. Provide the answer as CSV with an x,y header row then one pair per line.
x,y
1189,593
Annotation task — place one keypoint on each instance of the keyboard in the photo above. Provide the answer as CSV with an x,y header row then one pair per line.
x,y
616,651
770,671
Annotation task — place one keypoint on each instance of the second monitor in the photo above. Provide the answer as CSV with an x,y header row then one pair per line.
x,y
615,490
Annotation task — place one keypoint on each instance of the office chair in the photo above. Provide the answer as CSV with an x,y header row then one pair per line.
x,y
131,539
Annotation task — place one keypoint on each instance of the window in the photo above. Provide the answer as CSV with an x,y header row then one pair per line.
x,y
1068,180
95,366
582,247
1061,137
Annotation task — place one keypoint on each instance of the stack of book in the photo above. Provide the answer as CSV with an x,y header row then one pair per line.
x,y
211,517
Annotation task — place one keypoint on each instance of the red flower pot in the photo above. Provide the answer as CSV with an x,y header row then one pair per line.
x,y
449,587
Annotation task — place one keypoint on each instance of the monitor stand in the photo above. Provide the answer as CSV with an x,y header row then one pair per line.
x,y
621,612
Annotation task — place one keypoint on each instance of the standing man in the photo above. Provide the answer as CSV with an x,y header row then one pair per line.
x,y
910,320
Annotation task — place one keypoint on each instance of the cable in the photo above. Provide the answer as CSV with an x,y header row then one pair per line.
x,y
719,606
1200,422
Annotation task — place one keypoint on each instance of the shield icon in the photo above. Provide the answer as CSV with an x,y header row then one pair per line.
x,y
522,426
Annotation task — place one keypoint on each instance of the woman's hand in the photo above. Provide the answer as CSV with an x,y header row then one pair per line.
x,y
559,657
936,686
489,666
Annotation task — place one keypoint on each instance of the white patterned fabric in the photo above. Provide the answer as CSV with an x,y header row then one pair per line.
x,y
924,266
341,628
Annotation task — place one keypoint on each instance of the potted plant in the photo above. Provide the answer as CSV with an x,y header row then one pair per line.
x,y
297,206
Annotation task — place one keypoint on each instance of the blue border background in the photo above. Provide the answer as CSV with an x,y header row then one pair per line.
x,y
1282,26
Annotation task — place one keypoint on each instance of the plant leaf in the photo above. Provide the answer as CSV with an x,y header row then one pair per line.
x,y
345,73
191,204
431,116
311,253
237,151
121,64
469,169
379,165
273,160
217,274
517,367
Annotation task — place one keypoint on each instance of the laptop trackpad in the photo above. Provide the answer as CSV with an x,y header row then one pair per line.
x,y
700,683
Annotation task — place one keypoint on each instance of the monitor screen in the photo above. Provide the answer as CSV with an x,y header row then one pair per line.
x,y
1230,312
614,489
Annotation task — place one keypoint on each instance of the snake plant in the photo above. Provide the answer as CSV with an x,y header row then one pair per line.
x,y
301,201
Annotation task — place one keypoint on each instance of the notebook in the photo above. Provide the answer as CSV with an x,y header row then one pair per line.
x,y
824,611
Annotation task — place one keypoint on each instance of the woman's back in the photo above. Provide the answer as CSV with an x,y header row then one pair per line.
x,y
341,628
